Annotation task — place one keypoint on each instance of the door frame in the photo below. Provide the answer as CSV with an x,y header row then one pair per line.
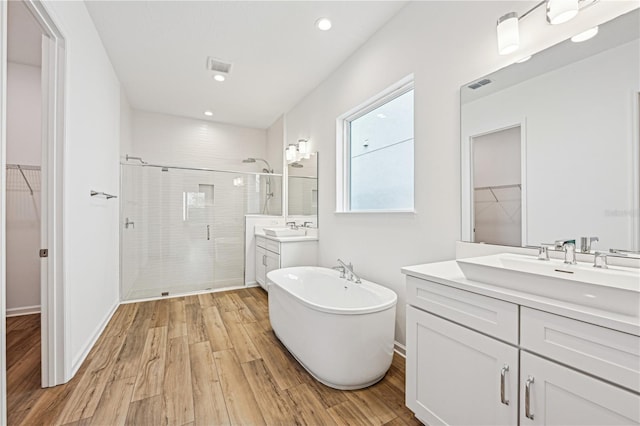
x,y
54,325
466,172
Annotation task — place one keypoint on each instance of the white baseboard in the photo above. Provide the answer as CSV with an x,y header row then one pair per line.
x,y
400,349
77,362
26,310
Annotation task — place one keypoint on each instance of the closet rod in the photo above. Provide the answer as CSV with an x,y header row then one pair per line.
x,y
515,185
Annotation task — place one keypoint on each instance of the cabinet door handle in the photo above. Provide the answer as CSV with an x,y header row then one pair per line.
x,y
527,398
208,232
503,373
264,259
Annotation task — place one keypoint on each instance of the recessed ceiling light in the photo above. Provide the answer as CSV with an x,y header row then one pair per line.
x,y
323,24
219,77
208,113
525,59
585,35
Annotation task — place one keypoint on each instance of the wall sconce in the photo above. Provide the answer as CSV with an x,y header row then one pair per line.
x,y
297,151
558,12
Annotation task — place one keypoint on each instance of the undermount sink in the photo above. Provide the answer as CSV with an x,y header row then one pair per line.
x,y
285,232
616,289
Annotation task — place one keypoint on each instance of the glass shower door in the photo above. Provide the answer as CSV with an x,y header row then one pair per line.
x,y
183,229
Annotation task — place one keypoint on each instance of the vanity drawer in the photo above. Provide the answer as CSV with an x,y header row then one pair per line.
x,y
261,241
489,316
602,352
273,246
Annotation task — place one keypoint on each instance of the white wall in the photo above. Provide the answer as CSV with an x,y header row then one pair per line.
x,y
92,148
177,141
24,147
23,115
445,45
275,144
575,153
126,125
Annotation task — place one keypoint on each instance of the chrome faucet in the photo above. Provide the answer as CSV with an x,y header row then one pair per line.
x,y
569,247
291,225
342,269
585,243
543,252
349,268
600,260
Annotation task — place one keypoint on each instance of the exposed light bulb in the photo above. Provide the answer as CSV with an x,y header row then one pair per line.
x,y
561,11
323,24
585,35
219,77
508,33
208,113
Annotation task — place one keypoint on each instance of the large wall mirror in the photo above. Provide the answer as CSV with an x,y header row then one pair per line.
x,y
302,184
550,146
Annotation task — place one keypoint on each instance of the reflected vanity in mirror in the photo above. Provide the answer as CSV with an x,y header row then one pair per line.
x,y
550,146
302,189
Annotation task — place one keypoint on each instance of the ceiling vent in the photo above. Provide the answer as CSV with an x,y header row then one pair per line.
x,y
216,65
479,84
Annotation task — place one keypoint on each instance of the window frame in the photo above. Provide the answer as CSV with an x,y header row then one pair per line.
x,y
343,146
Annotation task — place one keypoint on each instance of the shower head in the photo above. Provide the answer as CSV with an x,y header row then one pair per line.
x,y
253,160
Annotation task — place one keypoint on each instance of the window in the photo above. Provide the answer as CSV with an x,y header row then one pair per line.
x,y
378,155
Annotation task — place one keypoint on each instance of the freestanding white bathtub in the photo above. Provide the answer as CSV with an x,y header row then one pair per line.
x,y
340,332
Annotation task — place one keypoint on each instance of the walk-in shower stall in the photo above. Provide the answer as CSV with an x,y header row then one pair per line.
x,y
183,228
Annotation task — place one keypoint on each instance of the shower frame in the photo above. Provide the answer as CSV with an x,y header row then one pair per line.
x,y
144,164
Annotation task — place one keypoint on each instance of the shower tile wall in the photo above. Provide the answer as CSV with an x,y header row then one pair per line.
x,y
188,231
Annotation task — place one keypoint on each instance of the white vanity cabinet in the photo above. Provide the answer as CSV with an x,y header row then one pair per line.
x,y
473,359
458,376
558,395
275,253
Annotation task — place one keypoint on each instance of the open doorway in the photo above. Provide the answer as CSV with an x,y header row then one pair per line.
x,y
497,187
31,148
24,183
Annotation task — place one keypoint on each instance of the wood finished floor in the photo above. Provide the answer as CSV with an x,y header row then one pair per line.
x,y
210,359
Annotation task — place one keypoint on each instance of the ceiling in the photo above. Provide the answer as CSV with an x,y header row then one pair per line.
x,y
24,37
159,51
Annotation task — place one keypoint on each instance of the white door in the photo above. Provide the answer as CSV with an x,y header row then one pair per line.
x,y
558,395
456,376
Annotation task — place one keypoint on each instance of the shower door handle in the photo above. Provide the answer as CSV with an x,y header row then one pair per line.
x,y
208,232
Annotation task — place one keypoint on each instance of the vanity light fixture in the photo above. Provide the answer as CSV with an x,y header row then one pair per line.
x,y
585,35
208,113
219,77
508,33
561,11
323,24
297,151
557,12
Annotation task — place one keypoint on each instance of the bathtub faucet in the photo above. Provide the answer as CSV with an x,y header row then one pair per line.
x,y
349,268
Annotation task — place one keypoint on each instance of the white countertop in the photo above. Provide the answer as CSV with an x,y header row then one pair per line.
x,y
448,273
288,239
